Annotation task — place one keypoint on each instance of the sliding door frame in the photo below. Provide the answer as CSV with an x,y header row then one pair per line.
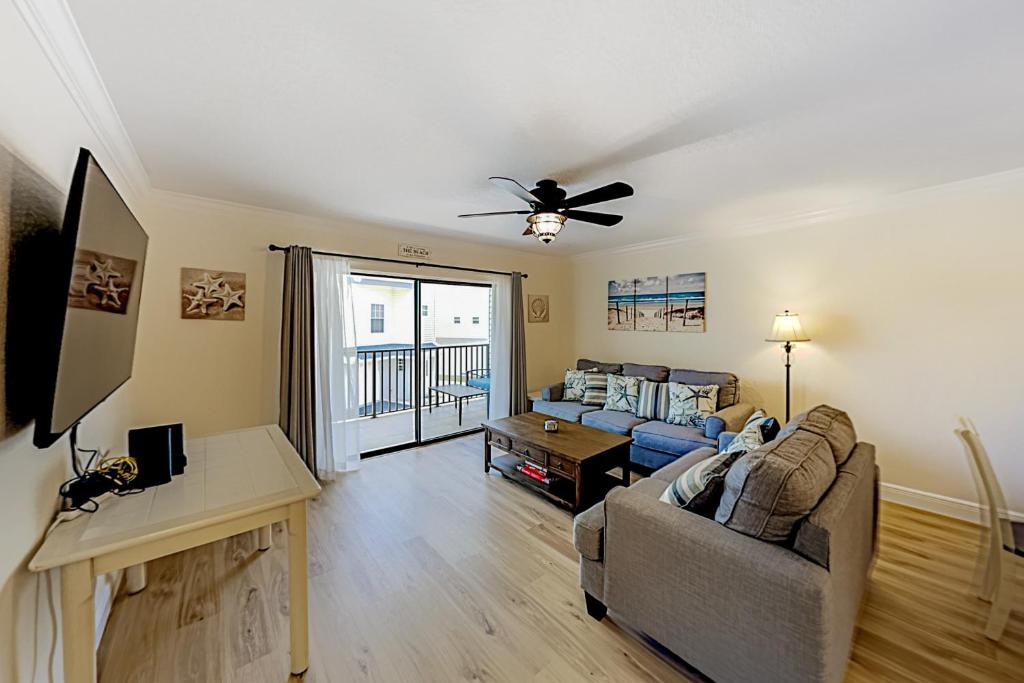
x,y
418,386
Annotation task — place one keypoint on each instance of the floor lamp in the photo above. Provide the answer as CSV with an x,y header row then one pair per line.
x,y
788,330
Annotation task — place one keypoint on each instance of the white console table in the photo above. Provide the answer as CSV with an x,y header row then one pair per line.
x,y
234,482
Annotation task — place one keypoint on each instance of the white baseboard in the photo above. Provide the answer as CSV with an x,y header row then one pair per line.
x,y
967,510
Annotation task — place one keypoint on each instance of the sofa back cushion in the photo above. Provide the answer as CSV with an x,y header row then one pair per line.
x,y
771,489
603,368
843,513
728,383
654,373
831,423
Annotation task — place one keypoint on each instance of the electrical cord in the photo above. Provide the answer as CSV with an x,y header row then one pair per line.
x,y
95,479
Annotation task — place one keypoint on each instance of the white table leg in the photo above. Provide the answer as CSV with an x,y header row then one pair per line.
x,y
135,578
263,538
76,604
298,606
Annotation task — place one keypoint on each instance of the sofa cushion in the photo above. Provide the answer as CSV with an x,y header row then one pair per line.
x,y
728,383
771,489
588,532
814,535
596,392
612,421
654,373
570,411
833,424
691,405
669,438
652,400
605,368
622,393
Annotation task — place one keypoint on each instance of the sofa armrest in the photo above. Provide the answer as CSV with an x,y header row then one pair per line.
x,y
729,419
724,439
588,532
666,568
552,392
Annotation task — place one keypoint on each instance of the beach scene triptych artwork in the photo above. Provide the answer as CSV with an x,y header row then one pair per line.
x,y
660,303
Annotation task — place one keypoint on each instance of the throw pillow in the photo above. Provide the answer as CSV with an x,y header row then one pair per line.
x,y
699,488
754,433
575,384
690,405
596,392
652,401
623,393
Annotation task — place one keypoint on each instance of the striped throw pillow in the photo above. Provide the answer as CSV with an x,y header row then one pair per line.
x,y
596,392
652,401
753,434
699,488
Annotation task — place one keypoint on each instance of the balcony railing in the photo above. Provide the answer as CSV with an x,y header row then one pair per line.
x,y
387,383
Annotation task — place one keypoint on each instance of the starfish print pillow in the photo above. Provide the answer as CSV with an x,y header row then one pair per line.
x,y
690,405
623,393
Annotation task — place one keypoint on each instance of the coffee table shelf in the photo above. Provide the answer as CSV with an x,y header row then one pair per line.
x,y
576,457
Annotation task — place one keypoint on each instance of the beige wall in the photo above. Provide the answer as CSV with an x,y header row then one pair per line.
x,y
915,315
41,125
216,375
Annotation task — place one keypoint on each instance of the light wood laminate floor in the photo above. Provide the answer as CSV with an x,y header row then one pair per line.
x,y
425,569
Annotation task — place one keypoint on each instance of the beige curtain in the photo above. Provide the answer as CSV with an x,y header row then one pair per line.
x,y
518,380
297,353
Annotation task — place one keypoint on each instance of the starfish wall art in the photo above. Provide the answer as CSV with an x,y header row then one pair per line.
x,y
212,294
101,282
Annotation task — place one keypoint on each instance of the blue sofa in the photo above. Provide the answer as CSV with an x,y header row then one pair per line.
x,y
655,443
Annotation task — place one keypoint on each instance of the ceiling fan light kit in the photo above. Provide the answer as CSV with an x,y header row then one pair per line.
x,y
545,225
549,209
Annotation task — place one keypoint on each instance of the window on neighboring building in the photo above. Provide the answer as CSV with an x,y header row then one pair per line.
x,y
376,318
425,310
476,320
457,320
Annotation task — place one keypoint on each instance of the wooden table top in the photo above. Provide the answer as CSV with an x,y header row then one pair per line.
x,y
574,441
228,475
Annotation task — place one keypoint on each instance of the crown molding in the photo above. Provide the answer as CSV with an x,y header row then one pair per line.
x,y
54,28
874,205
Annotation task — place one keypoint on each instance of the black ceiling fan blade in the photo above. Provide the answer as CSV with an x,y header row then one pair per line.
x,y
605,219
494,213
600,194
515,188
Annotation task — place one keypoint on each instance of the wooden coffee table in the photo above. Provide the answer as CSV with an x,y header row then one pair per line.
x,y
577,457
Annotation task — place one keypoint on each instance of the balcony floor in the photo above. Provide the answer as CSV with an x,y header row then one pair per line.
x,y
392,429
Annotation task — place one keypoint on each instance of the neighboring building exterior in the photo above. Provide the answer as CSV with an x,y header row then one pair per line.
x,y
451,316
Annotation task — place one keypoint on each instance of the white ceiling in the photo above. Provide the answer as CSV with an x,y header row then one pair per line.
x,y
720,114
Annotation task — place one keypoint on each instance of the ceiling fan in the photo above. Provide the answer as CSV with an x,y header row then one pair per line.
x,y
549,208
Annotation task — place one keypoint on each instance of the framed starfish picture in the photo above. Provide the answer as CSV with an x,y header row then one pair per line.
x,y
101,282
212,294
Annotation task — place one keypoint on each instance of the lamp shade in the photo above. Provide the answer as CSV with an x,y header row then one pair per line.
x,y
787,328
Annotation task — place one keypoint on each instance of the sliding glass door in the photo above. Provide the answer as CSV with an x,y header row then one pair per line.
x,y
456,356
423,349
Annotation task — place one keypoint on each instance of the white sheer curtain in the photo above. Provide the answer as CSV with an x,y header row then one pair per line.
x,y
337,377
501,345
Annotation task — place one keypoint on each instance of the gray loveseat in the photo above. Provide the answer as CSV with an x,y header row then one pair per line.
x,y
733,606
655,443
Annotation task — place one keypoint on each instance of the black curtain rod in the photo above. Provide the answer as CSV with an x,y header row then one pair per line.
x,y
418,264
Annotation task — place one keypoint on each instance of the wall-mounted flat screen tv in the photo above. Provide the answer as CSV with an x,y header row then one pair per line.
x,y
89,302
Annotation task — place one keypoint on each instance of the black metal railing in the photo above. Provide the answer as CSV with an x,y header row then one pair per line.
x,y
387,383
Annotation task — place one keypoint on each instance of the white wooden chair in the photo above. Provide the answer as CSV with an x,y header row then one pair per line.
x,y
1004,540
